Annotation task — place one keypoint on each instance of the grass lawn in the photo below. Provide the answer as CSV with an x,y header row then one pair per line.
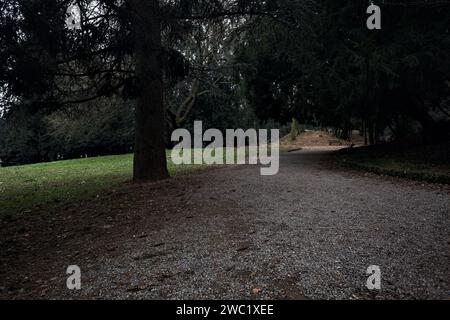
x,y
29,188
36,187
428,163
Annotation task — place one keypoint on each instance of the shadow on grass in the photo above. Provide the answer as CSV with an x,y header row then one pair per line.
x,y
429,163
30,188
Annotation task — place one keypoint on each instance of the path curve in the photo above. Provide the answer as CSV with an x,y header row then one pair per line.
x,y
309,232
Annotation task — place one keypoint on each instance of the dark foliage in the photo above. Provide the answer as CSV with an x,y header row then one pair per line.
x,y
239,63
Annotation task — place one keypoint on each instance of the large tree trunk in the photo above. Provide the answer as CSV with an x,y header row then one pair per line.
x,y
149,150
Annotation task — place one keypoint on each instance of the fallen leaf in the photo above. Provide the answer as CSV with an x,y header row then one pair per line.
x,y
256,290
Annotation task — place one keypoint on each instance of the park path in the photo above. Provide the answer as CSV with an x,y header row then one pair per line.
x,y
309,232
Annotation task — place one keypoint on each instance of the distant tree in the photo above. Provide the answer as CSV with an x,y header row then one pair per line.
x,y
295,130
92,129
340,74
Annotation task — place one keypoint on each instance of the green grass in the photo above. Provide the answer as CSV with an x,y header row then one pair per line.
x,y
426,163
29,188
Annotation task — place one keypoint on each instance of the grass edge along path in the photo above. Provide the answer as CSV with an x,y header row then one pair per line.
x,y
43,186
420,163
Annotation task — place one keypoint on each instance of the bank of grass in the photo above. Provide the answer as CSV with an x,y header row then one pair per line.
x,y
36,187
29,188
425,163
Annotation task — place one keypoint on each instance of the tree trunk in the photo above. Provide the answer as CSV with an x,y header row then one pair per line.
x,y
365,132
149,151
371,133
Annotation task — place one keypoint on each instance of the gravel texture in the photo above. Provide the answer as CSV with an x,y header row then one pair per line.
x,y
309,232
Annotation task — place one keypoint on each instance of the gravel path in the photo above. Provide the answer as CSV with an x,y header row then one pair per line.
x,y
309,232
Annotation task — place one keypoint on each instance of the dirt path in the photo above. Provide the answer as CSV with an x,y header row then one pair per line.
x,y
308,232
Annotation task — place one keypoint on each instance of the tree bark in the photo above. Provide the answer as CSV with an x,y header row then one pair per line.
x,y
371,133
150,162
365,132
